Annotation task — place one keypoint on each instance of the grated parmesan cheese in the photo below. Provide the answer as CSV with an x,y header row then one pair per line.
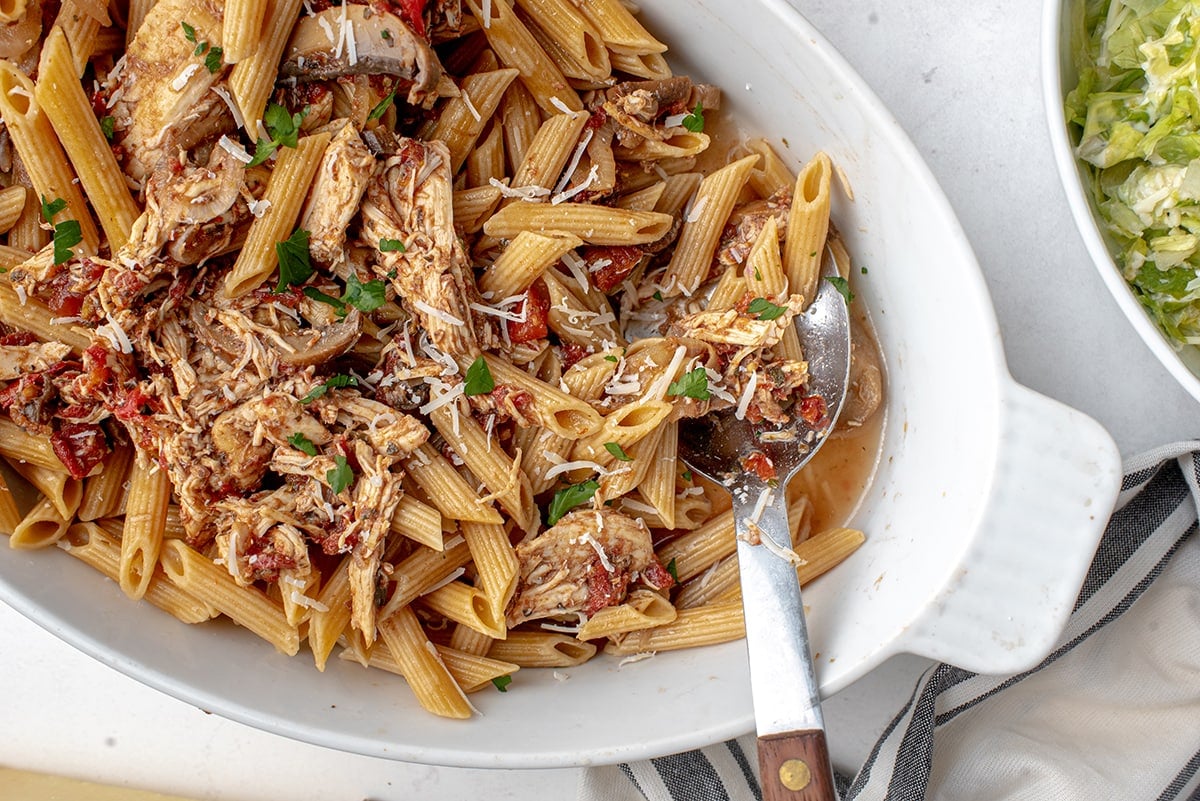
x,y
592,177
234,149
638,506
638,657
116,334
351,43
325,26
182,78
300,599
579,464
747,394
466,98
599,549
696,211
578,270
531,192
65,320
445,317
487,14
236,112
501,313
258,207
561,106
447,394
764,500
573,164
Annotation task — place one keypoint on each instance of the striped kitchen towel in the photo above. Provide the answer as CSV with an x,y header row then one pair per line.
x,y
1113,712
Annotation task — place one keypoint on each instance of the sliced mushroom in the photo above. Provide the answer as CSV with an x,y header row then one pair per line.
x,y
373,42
320,344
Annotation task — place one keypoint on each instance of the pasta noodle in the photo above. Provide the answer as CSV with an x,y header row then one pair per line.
x,y
374,333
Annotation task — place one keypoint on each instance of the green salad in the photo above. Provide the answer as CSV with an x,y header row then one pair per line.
x,y
1136,118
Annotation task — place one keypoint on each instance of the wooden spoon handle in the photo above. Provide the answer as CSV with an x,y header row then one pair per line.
x,y
794,766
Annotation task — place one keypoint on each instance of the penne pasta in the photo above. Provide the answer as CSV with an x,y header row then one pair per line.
x,y
293,173
807,226
512,43
596,225
702,226
422,666
41,153
61,97
246,606
145,522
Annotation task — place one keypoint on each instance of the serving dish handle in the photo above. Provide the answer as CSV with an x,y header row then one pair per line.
x,y
1056,480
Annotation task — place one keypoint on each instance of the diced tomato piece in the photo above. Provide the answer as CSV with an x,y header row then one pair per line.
x,y
760,465
413,12
604,588
573,353
813,410
18,338
617,263
80,447
536,308
657,576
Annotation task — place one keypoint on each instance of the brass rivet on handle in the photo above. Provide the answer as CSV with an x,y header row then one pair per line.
x,y
794,774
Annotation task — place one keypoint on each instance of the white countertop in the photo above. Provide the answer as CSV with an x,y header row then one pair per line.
x,y
963,79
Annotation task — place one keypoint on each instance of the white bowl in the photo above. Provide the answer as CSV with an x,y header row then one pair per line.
x,y
1059,77
981,520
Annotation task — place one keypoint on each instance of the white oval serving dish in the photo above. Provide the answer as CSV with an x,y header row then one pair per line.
x,y
1059,77
981,520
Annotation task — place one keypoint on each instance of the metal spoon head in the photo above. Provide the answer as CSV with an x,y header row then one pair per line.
x,y
718,444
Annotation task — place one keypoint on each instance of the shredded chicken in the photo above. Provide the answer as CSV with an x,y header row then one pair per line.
x,y
583,563
336,192
748,333
409,201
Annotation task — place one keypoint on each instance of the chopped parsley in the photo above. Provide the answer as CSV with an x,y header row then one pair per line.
x,y
365,297
567,499
657,296
687,475
294,264
694,384
842,286
391,246
863,270
479,379
673,570
189,32
764,309
67,235
611,358
283,128
302,443
382,106
107,127
340,476
335,382
757,274
52,207
213,60
501,682
200,48
694,122
617,451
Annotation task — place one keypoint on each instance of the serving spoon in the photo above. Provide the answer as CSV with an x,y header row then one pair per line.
x,y
793,756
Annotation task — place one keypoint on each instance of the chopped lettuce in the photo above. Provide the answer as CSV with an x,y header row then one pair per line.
x,y
1135,114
